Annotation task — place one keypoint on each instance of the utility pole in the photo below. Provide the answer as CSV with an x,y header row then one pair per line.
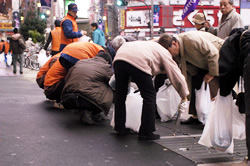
x,y
52,15
152,20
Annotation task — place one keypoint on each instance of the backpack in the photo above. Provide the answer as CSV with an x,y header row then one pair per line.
x,y
21,45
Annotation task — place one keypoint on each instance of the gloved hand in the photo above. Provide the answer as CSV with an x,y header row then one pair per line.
x,y
183,106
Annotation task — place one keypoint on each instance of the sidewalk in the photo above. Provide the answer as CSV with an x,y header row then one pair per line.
x,y
183,143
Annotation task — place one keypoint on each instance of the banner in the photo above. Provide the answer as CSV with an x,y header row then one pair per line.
x,y
189,7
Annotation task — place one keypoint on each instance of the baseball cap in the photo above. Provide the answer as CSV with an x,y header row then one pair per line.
x,y
73,7
199,18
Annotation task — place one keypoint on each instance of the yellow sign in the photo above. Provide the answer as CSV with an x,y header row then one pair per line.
x,y
5,25
122,19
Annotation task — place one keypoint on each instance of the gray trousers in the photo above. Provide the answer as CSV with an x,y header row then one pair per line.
x,y
246,75
16,57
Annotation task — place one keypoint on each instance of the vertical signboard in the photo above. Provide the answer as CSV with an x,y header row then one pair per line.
x,y
122,19
5,14
67,2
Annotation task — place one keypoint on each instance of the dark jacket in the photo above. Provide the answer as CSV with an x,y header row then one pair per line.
x,y
231,60
88,79
15,44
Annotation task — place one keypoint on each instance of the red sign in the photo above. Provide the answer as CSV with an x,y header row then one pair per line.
x,y
170,16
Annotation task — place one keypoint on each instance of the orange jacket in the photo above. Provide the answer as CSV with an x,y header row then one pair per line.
x,y
56,38
54,74
64,39
7,47
44,69
1,46
80,50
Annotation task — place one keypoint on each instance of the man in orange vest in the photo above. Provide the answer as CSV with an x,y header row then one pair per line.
x,y
6,50
54,38
69,26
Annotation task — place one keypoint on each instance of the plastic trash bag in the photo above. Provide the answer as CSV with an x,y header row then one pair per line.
x,y
42,57
9,59
167,100
239,127
218,131
203,102
133,111
2,57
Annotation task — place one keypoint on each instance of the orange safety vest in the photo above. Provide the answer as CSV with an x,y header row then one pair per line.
x,y
82,50
1,46
64,39
56,39
7,47
44,69
55,74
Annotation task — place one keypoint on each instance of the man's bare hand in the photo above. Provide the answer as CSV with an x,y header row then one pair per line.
x,y
207,78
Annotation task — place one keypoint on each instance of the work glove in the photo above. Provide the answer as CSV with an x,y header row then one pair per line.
x,y
183,106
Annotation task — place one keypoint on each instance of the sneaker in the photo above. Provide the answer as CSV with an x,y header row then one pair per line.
x,y
148,136
86,117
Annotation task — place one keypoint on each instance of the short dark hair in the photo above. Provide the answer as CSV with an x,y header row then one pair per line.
x,y
166,40
57,23
105,55
94,24
15,30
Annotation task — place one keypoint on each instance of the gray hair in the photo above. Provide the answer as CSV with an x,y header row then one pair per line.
x,y
231,2
117,42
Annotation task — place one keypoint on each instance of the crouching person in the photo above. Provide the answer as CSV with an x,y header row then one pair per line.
x,y
86,87
44,69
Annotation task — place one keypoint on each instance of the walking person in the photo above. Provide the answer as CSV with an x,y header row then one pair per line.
x,y
17,46
70,33
6,51
198,54
98,35
54,39
139,61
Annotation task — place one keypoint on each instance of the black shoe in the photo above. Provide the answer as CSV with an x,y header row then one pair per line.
x,y
14,72
191,121
148,136
21,72
86,117
124,132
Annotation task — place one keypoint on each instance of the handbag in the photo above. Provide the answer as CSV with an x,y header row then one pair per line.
x,y
240,100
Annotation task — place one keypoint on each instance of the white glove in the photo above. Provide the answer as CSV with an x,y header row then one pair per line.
x,y
183,106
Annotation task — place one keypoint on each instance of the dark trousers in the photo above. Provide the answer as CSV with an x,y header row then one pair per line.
x,y
246,75
123,73
196,84
54,91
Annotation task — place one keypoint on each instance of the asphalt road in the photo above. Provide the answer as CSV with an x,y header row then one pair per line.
x,y
33,132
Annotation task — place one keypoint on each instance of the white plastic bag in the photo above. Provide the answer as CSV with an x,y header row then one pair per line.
x,y
203,102
167,100
42,57
239,127
9,59
133,111
2,57
218,131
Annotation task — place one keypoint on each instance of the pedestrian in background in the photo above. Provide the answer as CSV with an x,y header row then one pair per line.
x,y
151,59
54,39
29,43
199,21
230,19
70,33
6,50
17,46
198,54
98,35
